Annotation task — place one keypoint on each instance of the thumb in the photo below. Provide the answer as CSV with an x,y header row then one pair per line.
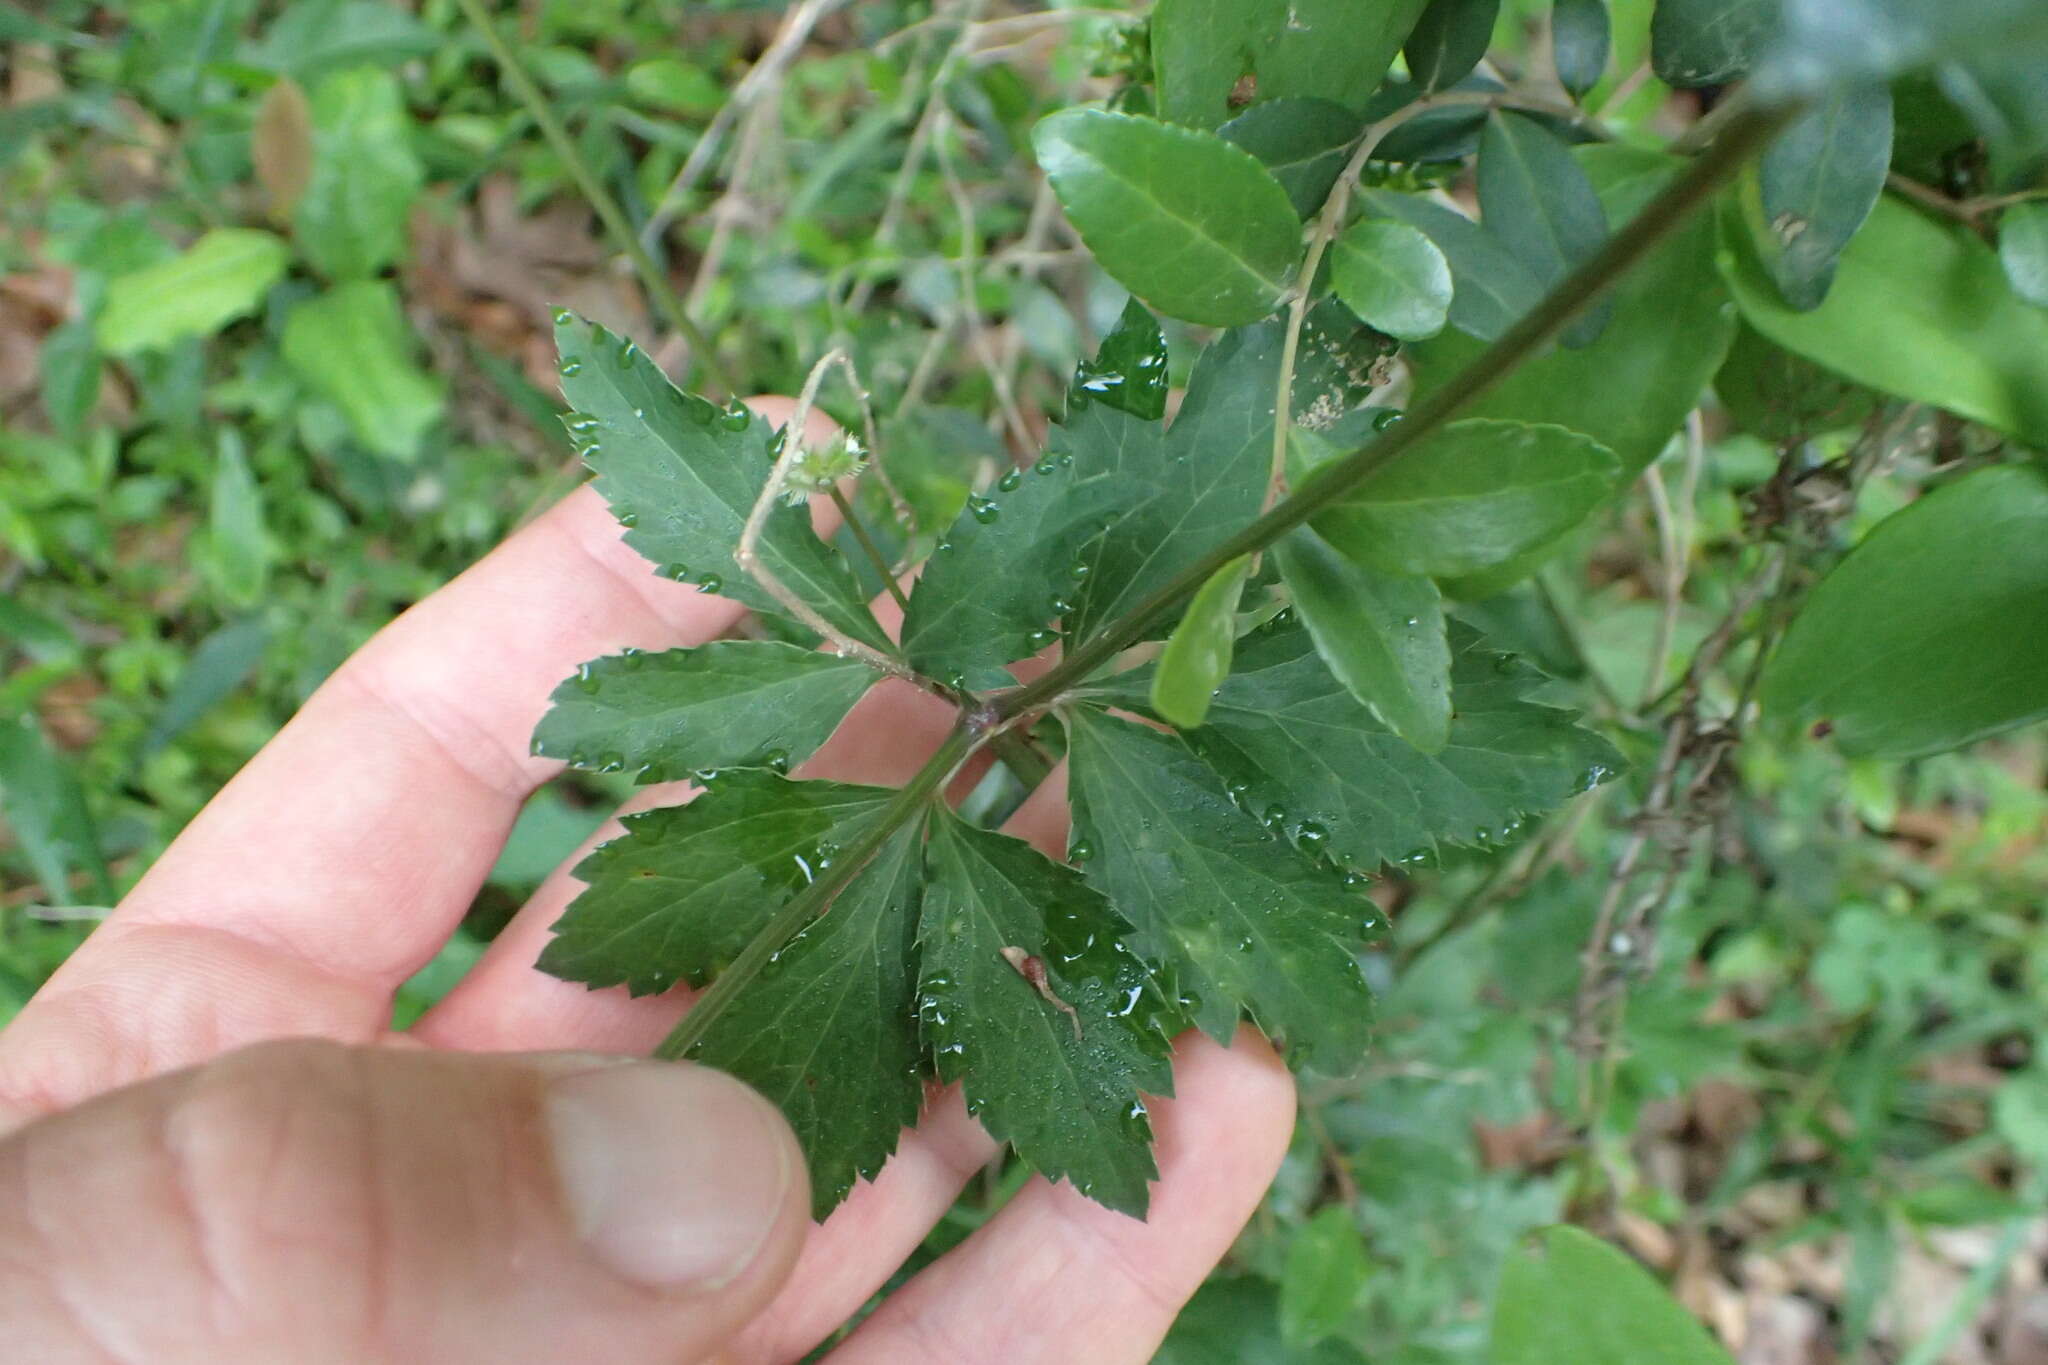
x,y
310,1202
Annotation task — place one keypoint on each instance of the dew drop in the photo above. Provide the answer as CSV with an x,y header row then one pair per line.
x,y
629,519
1039,639
1065,459
1275,817
1080,851
1311,834
1412,622
1010,480
942,547
1078,570
1061,604
736,416
632,658
1385,418
1044,466
580,422
710,582
984,509
778,761
571,367
563,317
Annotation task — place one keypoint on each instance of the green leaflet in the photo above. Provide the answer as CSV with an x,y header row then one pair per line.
x,y
47,813
1934,631
1475,495
1196,659
238,548
353,345
682,475
1919,309
828,1031
1303,143
1187,486
1240,921
1315,49
1326,1268
222,276
1297,746
1381,634
1572,1287
1393,277
1631,389
1535,198
685,887
1819,180
1581,35
1065,1090
1493,288
2022,251
1708,42
1448,40
1008,565
1181,218
729,704
351,220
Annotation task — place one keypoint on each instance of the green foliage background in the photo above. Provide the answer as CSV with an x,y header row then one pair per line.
x,y
275,361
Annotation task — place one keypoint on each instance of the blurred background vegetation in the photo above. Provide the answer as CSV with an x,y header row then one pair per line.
x,y
274,362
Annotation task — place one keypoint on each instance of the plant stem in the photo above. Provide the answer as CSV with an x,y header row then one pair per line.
x,y
812,900
1744,136
599,198
868,546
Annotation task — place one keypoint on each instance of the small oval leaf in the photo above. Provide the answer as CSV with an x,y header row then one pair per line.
x,y
1448,41
1303,143
1535,197
1580,38
1819,181
1934,631
1197,655
1381,634
1189,223
1476,494
1392,277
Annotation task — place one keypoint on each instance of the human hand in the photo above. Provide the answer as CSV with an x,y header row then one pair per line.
x,y
490,1185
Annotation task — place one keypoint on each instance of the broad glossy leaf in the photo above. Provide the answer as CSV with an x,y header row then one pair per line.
x,y
1934,631
1580,39
1204,51
1065,1089
1472,496
1708,42
222,276
1448,40
1181,218
1919,309
1534,196
1303,143
353,346
1570,1294
1492,287
1006,568
828,1031
1302,748
1819,180
1185,486
1196,659
1325,1270
2022,251
46,811
1241,922
682,476
1825,41
1393,277
1382,634
676,896
351,220
728,704
1631,389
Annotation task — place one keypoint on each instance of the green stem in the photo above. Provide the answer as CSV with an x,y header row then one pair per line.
x,y
600,199
1745,135
812,900
868,546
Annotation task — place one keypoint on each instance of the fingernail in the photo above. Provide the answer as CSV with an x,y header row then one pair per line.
x,y
675,1175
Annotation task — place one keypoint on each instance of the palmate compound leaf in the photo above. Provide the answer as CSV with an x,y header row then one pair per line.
x,y
1297,749
1239,921
677,895
828,1031
1061,1073
729,704
682,474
